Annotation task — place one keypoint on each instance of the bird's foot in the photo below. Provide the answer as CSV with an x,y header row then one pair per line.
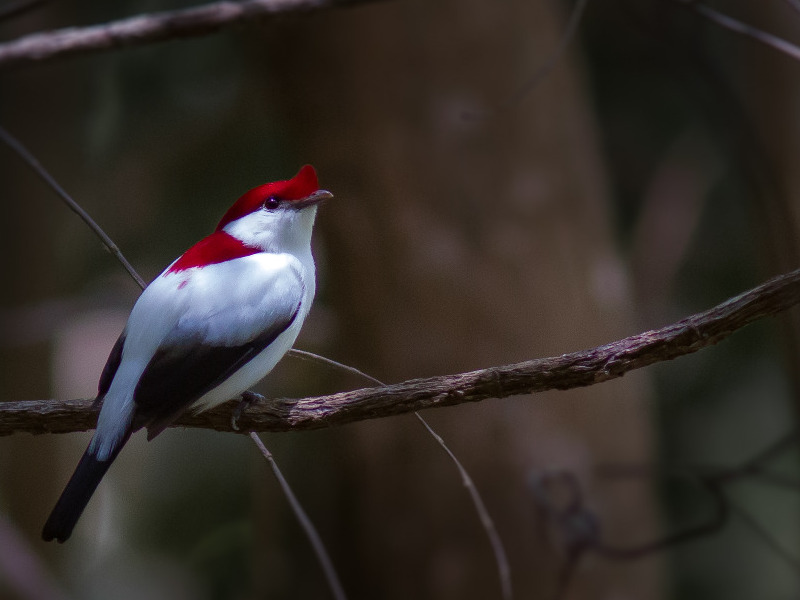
x,y
248,399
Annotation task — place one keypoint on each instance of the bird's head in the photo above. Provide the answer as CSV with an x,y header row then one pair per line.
x,y
277,216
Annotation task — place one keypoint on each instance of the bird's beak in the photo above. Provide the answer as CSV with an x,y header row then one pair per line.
x,y
314,198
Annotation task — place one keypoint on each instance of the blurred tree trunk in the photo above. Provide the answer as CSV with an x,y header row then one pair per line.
x,y
31,252
460,238
769,145
25,485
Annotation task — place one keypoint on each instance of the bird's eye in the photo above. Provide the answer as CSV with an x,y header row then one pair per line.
x,y
272,203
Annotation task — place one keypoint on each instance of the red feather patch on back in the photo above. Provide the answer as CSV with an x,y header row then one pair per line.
x,y
216,248
298,187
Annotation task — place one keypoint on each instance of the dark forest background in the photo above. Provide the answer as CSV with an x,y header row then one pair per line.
x,y
482,215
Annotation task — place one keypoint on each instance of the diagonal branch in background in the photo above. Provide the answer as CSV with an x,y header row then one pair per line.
x,y
576,369
743,29
12,10
576,528
34,164
153,27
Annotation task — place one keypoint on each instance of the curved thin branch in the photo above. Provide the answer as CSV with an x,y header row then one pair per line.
x,y
496,542
744,29
323,557
576,369
794,4
549,64
151,28
15,9
34,164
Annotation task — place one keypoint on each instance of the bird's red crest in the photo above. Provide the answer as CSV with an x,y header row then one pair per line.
x,y
300,186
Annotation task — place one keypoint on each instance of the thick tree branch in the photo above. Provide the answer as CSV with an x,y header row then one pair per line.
x,y
577,369
154,27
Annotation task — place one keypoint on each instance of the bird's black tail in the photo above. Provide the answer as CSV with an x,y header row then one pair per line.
x,y
76,495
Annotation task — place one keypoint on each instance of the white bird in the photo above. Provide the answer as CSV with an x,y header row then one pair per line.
x,y
214,323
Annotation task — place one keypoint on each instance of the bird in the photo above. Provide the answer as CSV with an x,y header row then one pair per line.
x,y
209,327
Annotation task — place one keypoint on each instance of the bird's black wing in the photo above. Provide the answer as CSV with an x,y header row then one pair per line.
x,y
179,374
112,364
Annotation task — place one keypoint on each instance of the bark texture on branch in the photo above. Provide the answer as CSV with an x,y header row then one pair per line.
x,y
150,28
576,369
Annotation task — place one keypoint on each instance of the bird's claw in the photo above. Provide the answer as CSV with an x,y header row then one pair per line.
x,y
248,399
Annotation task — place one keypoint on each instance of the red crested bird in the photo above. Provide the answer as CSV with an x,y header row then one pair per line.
x,y
215,322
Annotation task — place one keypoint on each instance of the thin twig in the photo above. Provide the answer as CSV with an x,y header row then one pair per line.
x,y
565,575
549,64
777,480
310,356
23,153
305,523
742,28
769,541
514,99
718,520
755,463
795,4
559,498
154,27
576,522
752,467
15,9
503,568
713,480
580,530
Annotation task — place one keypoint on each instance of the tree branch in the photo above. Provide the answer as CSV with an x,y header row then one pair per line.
x,y
743,29
576,369
151,28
